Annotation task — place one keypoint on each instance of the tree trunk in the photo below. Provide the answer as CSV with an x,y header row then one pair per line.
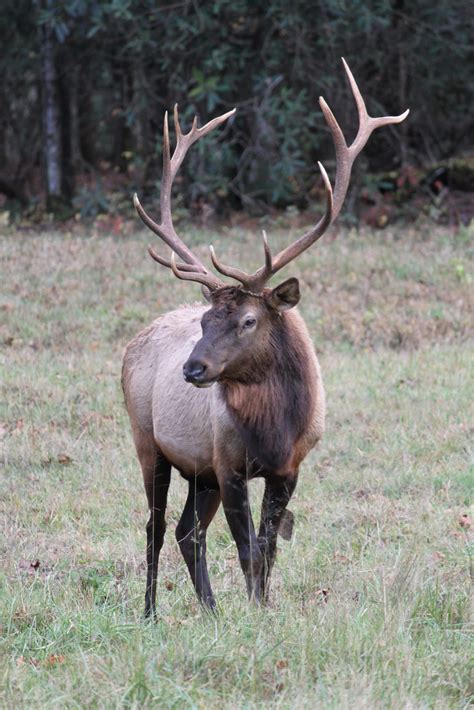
x,y
51,127
14,189
76,155
86,114
122,134
400,27
67,166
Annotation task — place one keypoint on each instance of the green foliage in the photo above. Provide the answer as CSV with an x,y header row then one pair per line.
x,y
270,59
91,201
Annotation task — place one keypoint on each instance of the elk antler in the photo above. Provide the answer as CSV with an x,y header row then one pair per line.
x,y
193,269
345,157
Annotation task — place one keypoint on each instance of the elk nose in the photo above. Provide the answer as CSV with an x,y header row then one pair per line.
x,y
193,370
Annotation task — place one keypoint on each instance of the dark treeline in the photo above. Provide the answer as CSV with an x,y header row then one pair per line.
x,y
85,84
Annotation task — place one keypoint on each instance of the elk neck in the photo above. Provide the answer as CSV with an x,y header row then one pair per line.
x,y
272,411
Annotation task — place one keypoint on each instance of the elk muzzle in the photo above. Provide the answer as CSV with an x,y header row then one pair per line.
x,y
196,372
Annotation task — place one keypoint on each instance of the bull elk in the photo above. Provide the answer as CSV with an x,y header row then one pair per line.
x,y
257,406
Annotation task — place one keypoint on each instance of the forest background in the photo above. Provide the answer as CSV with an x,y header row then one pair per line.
x,y
86,84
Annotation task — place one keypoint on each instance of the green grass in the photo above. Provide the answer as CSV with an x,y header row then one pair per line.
x,y
371,598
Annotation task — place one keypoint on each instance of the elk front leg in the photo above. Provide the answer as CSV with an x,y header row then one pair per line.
x,y
156,476
201,506
275,499
234,495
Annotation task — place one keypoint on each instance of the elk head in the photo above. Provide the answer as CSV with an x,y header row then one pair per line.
x,y
239,329
239,334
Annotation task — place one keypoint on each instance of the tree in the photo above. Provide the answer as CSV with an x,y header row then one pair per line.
x,y
108,69
50,114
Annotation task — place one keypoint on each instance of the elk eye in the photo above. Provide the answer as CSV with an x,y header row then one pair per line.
x,y
249,322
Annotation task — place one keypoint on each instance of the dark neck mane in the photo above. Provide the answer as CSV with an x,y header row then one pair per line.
x,y
271,414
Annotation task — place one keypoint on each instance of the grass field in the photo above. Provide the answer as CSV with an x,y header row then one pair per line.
x,y
371,597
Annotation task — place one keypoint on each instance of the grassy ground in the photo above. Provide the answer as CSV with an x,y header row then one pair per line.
x,y
370,604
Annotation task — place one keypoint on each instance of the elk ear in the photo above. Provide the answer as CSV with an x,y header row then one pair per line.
x,y
285,296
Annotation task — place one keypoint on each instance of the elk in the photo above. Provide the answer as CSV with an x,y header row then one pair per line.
x,y
257,406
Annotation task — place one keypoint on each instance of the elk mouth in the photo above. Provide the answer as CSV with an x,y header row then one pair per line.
x,y
197,373
202,385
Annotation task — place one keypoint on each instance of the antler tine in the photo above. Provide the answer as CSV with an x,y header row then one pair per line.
x,y
166,262
268,253
209,280
231,271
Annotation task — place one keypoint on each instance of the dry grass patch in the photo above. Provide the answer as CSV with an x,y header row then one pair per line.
x,y
371,596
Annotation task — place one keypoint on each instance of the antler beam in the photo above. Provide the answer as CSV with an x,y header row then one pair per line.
x,y
345,157
165,229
